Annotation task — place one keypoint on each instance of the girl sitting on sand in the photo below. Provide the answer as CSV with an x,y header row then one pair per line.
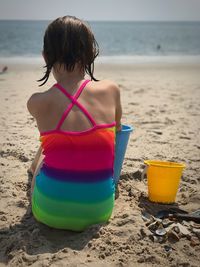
x,y
72,186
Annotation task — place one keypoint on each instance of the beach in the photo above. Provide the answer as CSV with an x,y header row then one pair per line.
x,y
161,100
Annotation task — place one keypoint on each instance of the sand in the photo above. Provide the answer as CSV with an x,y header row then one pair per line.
x,y
162,102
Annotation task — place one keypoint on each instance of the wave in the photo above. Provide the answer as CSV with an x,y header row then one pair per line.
x,y
121,59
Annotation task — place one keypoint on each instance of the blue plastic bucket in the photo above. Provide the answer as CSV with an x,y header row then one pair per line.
x,y
121,143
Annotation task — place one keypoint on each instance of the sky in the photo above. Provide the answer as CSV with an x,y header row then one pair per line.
x,y
139,10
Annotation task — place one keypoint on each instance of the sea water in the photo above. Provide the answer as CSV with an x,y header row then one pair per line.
x,y
125,41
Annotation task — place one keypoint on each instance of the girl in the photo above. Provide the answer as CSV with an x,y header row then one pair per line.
x,y
72,186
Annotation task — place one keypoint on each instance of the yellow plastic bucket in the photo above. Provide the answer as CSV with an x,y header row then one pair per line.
x,y
163,179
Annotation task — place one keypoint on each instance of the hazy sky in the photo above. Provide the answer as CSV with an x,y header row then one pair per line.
x,y
101,9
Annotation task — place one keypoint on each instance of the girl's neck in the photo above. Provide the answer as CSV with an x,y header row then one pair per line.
x,y
68,79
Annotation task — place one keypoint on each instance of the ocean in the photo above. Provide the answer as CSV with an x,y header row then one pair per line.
x,y
117,40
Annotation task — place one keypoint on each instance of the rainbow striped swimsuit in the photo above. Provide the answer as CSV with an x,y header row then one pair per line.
x,y
75,187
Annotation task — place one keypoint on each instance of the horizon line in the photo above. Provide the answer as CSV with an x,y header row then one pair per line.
x,y
105,20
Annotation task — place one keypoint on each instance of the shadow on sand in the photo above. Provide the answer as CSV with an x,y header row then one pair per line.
x,y
153,208
35,238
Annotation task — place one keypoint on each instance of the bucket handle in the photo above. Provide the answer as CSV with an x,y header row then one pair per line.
x,y
144,172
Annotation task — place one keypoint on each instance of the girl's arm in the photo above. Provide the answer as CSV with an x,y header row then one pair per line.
x,y
118,110
36,161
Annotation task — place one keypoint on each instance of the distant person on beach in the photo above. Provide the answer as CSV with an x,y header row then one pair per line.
x,y
77,117
5,68
158,47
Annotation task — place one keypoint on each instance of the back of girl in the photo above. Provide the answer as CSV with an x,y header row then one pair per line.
x,y
73,186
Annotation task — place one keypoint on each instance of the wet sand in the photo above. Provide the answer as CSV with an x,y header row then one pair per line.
x,y
162,103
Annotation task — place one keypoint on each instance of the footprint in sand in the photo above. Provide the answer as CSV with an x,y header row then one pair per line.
x,y
140,91
13,153
158,132
185,137
134,104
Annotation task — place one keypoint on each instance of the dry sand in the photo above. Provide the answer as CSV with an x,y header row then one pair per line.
x,y
162,102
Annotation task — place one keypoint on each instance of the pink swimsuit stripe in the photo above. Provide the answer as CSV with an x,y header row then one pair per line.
x,y
75,186
74,101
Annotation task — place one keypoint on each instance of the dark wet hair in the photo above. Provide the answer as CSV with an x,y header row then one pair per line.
x,y
68,40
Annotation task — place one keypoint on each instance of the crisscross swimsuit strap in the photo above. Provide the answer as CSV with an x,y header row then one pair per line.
x,y
74,101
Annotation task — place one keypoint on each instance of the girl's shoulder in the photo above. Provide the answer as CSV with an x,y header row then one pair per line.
x,y
106,86
105,82
38,101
